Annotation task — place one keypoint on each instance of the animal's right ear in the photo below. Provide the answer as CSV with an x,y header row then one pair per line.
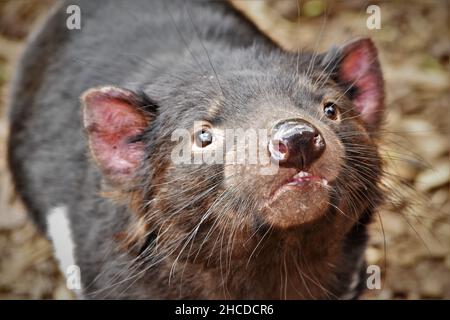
x,y
114,120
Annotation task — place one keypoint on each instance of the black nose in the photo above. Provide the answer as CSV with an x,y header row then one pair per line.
x,y
295,143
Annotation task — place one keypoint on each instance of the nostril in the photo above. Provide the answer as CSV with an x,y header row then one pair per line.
x,y
318,141
278,150
280,147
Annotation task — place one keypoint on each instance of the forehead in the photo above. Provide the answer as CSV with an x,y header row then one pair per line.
x,y
244,94
287,97
245,85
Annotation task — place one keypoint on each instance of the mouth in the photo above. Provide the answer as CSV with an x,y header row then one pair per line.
x,y
302,180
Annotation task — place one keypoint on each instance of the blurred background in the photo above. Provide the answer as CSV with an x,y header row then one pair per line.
x,y
410,239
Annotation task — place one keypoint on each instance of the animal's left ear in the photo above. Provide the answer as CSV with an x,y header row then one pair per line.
x,y
358,71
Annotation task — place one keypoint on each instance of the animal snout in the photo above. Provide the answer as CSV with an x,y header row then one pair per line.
x,y
295,143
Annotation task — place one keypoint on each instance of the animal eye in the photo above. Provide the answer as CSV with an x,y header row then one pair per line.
x,y
330,110
203,138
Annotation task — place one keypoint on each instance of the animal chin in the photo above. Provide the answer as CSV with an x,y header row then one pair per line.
x,y
300,199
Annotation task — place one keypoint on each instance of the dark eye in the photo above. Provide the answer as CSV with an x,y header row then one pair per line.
x,y
330,110
203,138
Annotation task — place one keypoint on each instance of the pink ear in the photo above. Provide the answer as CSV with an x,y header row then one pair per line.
x,y
360,69
112,119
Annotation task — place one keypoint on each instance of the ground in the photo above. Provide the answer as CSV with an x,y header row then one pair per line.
x,y
410,239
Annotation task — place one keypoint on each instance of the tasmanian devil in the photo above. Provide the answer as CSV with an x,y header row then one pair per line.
x,y
92,152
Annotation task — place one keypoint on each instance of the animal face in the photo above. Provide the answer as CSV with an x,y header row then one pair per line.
x,y
212,164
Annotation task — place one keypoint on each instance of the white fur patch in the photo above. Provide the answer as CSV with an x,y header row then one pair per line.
x,y
61,236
